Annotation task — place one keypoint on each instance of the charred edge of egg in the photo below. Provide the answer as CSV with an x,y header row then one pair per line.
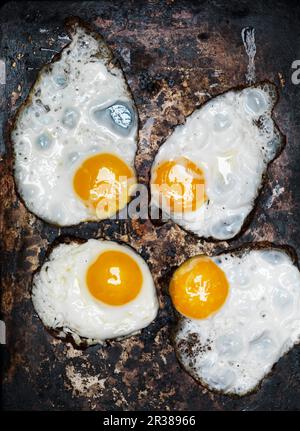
x,y
282,143
71,24
238,252
79,343
65,334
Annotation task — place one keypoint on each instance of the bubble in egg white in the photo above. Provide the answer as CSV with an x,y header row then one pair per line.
x,y
282,299
46,120
255,101
44,141
274,257
225,229
31,191
38,110
121,115
56,212
94,149
273,146
70,118
73,157
263,346
100,115
61,81
289,279
206,363
198,138
224,184
229,344
266,127
240,276
221,122
221,379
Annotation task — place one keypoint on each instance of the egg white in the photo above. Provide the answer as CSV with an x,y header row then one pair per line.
x,y
65,120
232,138
232,350
63,302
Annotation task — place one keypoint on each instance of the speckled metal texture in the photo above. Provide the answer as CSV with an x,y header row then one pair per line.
x,y
175,55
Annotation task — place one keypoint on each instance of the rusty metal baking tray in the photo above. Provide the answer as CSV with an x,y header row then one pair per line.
x,y
175,55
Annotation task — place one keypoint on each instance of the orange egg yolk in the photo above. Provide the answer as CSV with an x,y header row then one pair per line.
x,y
104,183
181,185
198,288
114,278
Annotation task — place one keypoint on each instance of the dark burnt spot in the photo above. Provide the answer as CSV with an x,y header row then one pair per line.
x,y
171,250
203,36
145,165
132,363
144,252
140,59
161,100
149,83
114,352
240,12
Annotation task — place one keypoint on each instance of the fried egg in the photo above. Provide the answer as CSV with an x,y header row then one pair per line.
x,y
208,173
75,136
94,291
239,312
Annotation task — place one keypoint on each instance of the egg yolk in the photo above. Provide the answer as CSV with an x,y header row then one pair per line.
x,y
104,183
181,183
114,278
198,288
